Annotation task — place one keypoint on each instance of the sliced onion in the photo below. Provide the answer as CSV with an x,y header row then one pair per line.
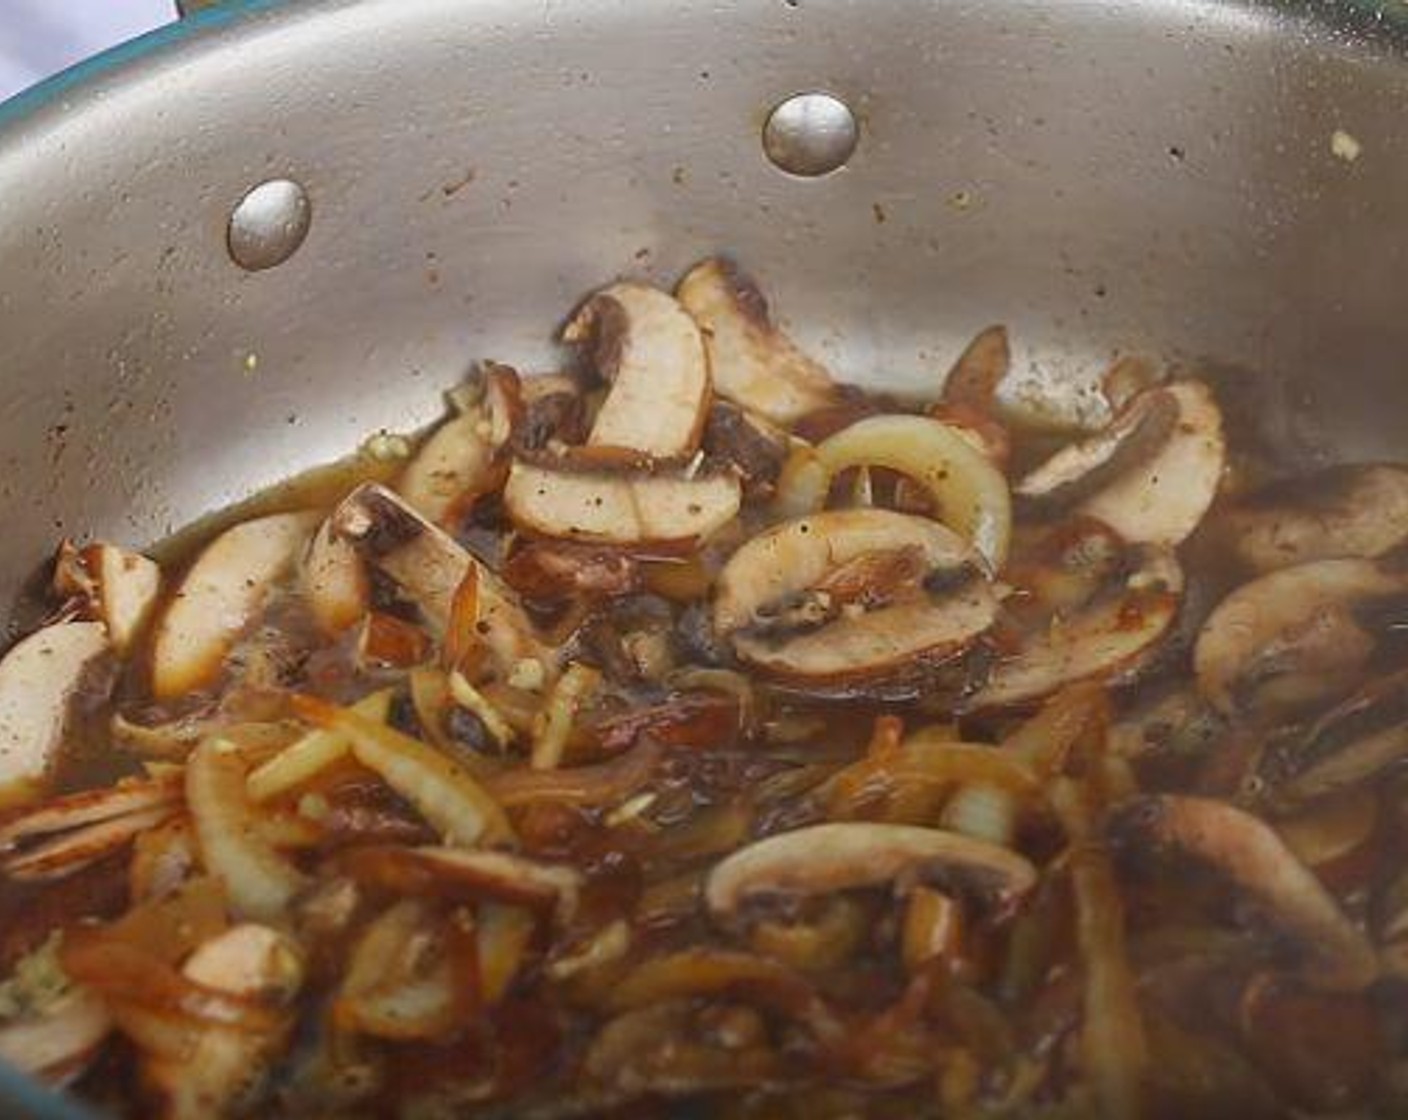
x,y
1112,1037
504,934
969,493
304,760
921,761
260,882
123,974
594,786
475,702
454,804
702,972
412,975
554,723
815,945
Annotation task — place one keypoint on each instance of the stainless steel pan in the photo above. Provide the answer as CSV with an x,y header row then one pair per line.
x,y
1169,177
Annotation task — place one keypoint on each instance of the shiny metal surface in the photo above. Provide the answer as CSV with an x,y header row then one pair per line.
x,y
269,224
810,134
1154,177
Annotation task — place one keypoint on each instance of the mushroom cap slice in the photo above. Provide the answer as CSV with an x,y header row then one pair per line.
x,y
620,507
38,680
219,597
334,581
974,379
121,587
1343,749
429,565
825,858
1289,639
752,362
463,456
1081,470
650,350
795,559
1250,853
1107,638
1357,510
56,1044
1157,497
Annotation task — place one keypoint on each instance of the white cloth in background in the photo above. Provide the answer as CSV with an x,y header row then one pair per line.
x,y
39,37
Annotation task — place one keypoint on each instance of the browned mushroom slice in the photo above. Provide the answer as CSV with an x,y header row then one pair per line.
x,y
826,858
649,349
554,412
219,1065
119,587
1083,469
72,832
1249,852
1359,510
974,379
1151,475
219,597
334,581
1290,639
428,566
464,455
844,596
1350,744
39,678
749,444
1107,638
671,509
753,363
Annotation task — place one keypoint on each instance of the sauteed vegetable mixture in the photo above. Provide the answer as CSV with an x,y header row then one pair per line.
x,y
690,733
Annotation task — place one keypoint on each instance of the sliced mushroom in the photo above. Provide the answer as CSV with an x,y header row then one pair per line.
x,y
974,379
259,882
1358,510
1107,638
852,595
826,858
753,363
219,597
554,412
69,833
967,492
1150,475
429,566
39,678
1290,639
249,960
650,350
334,581
120,588
224,1068
464,456
749,444
670,509
1249,852
1352,743
1082,470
